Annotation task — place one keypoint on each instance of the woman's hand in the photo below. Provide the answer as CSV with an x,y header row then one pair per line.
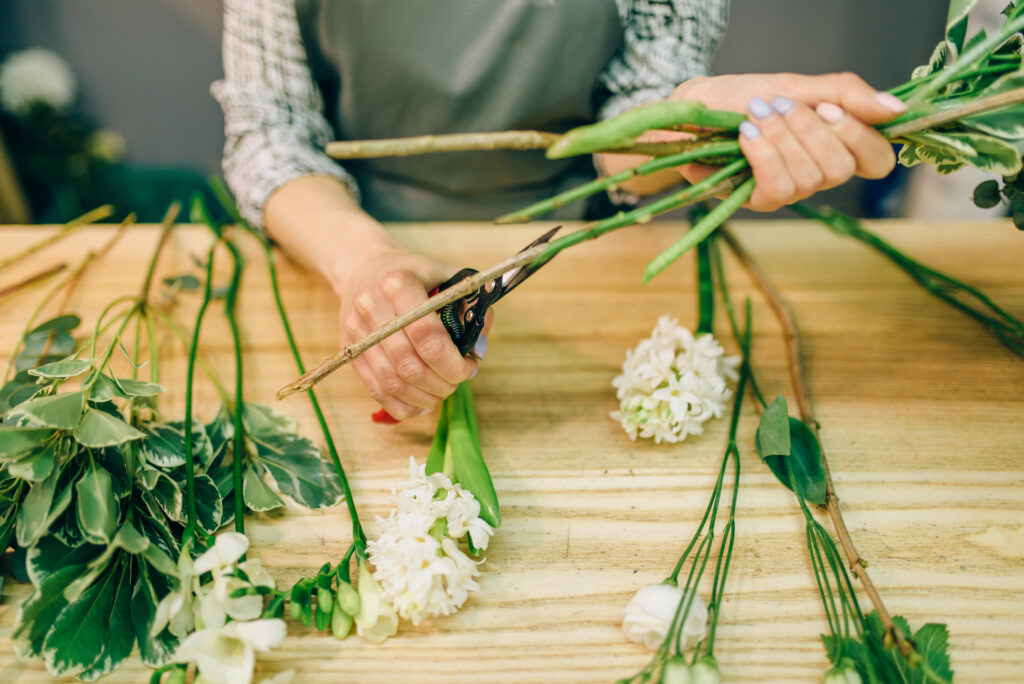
x,y
409,372
804,133
317,222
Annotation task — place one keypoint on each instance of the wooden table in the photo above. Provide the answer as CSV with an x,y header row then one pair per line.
x,y
921,412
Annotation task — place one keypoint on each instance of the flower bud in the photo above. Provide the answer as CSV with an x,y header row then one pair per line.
x,y
843,673
324,607
676,671
341,623
705,671
176,676
347,599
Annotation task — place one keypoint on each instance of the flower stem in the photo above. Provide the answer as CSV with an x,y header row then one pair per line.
x,y
705,281
31,280
238,448
358,535
793,353
190,484
67,229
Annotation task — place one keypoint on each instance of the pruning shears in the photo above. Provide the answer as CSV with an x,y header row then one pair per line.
x,y
464,318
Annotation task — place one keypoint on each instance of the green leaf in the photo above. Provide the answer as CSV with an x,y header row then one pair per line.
x,y
37,465
260,421
103,388
97,508
295,466
804,461
773,430
38,612
120,640
256,494
220,431
166,492
65,323
986,195
182,282
114,460
40,508
61,369
21,388
16,440
932,642
956,22
138,388
164,445
150,587
209,510
60,411
99,429
57,345
435,459
467,456
75,642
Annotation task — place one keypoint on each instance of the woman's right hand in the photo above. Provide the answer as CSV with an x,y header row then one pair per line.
x,y
409,372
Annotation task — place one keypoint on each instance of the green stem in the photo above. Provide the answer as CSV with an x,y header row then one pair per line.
x,y
358,535
701,230
705,283
222,393
693,193
238,449
909,86
719,149
190,484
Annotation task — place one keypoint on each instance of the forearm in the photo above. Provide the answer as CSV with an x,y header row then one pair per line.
x,y
316,220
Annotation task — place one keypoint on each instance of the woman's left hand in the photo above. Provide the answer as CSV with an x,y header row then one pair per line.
x,y
804,133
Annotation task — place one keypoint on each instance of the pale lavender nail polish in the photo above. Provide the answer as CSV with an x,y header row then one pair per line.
x,y
759,108
480,348
475,371
782,105
891,102
749,130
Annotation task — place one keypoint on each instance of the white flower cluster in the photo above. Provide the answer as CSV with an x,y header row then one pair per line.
x,y
35,75
219,633
417,558
672,383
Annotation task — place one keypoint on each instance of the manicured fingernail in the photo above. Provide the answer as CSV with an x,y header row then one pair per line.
x,y
891,102
749,130
760,108
480,348
425,412
475,371
830,113
782,104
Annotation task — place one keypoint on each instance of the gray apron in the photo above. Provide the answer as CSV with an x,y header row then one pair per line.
x,y
393,68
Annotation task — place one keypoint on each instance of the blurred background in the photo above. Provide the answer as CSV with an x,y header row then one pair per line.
x,y
140,127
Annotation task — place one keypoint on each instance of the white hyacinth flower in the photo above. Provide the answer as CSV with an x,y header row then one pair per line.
x,y
672,383
36,76
227,654
648,615
418,562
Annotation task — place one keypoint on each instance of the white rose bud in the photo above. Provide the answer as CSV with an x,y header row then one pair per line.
x,y
648,615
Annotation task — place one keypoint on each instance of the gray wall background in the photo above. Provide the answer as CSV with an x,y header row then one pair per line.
x,y
145,66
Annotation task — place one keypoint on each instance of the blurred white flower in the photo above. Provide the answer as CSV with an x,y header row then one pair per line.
x,y
106,145
226,654
216,603
843,673
418,563
175,610
648,615
376,619
228,548
35,76
672,383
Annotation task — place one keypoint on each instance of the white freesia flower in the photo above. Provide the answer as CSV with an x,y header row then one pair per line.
x,y
216,603
35,76
376,619
228,548
672,383
175,610
648,615
227,654
419,565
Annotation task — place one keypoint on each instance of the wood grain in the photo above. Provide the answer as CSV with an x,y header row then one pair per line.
x,y
920,409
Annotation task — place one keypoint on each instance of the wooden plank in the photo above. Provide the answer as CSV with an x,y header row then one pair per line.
x,y
920,409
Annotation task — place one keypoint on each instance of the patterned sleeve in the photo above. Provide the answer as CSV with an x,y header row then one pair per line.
x,y
273,110
664,43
